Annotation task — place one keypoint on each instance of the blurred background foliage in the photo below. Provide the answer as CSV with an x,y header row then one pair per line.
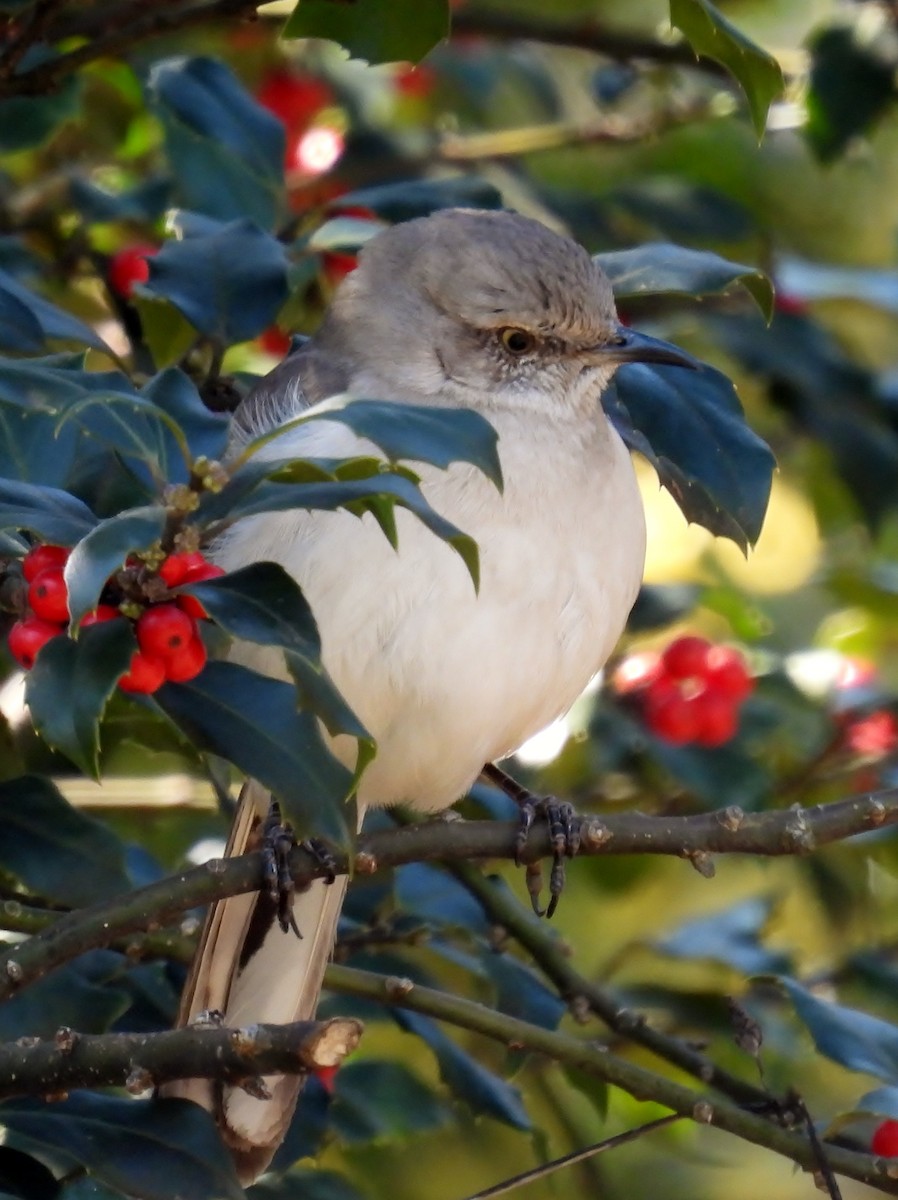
x,y
596,118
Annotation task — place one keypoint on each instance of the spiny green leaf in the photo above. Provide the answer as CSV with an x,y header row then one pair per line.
x,y
665,268
711,35
50,513
104,550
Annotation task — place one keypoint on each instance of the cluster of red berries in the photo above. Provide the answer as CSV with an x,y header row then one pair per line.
x,y
169,645
690,693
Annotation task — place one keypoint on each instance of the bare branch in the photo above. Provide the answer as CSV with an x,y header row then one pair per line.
x,y
729,831
138,1061
596,1060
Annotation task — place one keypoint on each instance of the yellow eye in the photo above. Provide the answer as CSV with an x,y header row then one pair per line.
x,y
516,341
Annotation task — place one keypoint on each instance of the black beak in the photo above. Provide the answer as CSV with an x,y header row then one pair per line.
x,y
627,346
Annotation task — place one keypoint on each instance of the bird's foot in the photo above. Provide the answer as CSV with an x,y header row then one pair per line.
x,y
278,840
564,836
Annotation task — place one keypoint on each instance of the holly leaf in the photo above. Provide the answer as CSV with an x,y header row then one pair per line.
x,y
711,35
70,684
252,721
375,30
412,198
661,267
846,1035
104,550
691,427
25,314
136,1147
50,513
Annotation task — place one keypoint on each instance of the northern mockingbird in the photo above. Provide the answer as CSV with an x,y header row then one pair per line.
x,y
483,310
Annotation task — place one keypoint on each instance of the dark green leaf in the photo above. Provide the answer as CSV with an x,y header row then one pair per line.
x,y
433,895
262,603
852,85
70,684
24,1177
104,550
54,323
416,433
226,149
378,1100
358,496
881,1102
229,285
82,994
175,394
52,514
145,202
846,1035
412,198
732,936
25,436
142,1148
252,722
130,425
54,850
711,35
304,1184
20,329
691,427
659,267
26,121
376,30
484,1092
521,993
344,234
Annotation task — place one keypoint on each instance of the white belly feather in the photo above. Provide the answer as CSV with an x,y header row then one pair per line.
x,y
446,679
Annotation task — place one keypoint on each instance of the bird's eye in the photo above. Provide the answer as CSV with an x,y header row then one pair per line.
x,y
517,341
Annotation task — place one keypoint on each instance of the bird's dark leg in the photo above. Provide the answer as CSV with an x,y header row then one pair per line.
x,y
278,840
564,834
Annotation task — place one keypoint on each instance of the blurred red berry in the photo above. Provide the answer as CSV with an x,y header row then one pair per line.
x,y
326,1076
726,672
336,265
129,267
48,596
164,631
417,81
670,715
177,567
636,671
789,305
187,663
885,1139
274,341
28,636
200,574
686,657
854,673
717,716
42,557
103,612
146,674
294,99
874,735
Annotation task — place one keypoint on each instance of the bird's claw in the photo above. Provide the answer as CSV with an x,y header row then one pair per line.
x,y
277,842
564,836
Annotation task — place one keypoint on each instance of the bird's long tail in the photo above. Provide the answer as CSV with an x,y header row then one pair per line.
x,y
247,968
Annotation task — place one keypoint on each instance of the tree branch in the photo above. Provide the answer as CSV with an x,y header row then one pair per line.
x,y
596,1060
729,831
139,1061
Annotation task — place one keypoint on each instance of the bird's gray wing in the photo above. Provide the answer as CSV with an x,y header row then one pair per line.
x,y
304,378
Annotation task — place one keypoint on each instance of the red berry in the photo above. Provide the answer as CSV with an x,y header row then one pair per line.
x,y
885,1139
42,557
686,657
790,305
295,99
200,574
274,341
326,1076
337,266
103,612
164,630
177,567
726,673
146,674
416,81
187,663
874,735
670,715
28,636
718,718
637,671
49,596
129,267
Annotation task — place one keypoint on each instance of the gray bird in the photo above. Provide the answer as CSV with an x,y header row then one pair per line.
x,y
483,310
